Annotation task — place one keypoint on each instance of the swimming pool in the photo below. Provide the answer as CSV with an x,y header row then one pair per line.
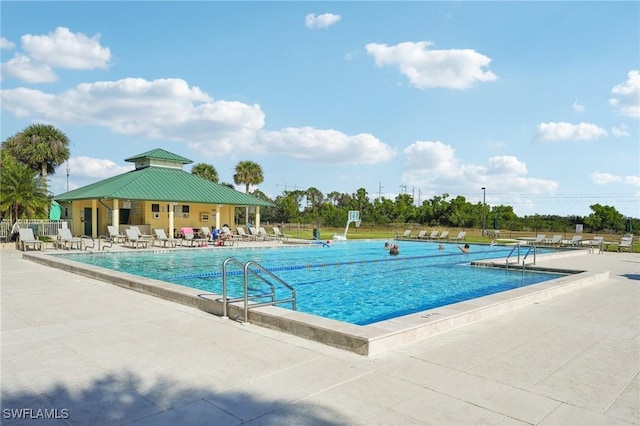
x,y
352,281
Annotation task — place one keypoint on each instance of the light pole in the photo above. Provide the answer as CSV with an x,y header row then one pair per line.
x,y
484,193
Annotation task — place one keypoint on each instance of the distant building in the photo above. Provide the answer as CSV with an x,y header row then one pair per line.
x,y
156,194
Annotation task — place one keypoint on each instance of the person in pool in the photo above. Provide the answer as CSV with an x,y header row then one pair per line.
x,y
394,250
466,249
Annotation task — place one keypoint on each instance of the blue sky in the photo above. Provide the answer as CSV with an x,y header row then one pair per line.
x,y
538,102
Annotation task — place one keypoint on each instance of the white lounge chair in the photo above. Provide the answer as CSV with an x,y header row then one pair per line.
x,y
279,235
443,235
116,236
134,240
66,240
421,234
142,236
243,235
255,233
264,234
161,236
26,238
461,236
626,243
553,241
432,236
574,241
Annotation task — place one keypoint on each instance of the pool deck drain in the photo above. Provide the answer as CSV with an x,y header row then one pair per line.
x,y
364,340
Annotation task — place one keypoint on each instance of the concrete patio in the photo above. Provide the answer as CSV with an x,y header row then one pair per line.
x,y
88,352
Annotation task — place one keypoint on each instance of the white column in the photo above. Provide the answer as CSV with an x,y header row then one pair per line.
x,y
115,214
171,209
218,216
257,217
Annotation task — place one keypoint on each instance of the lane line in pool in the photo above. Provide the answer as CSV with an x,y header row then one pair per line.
x,y
318,265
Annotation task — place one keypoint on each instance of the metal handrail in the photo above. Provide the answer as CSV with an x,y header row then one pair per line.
x,y
245,297
517,246
533,247
292,299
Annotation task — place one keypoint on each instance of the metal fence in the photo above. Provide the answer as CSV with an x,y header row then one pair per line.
x,y
40,227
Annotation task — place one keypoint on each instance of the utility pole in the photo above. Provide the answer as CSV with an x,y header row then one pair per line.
x,y
380,191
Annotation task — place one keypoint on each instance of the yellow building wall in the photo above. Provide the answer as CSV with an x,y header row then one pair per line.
x,y
142,213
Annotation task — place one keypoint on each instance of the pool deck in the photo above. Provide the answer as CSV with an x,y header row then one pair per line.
x,y
109,355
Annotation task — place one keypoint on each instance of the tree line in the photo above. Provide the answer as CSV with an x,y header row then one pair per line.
x,y
28,157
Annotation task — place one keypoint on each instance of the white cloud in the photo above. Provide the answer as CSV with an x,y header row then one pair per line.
x,y
95,167
325,146
577,107
6,44
607,178
434,165
619,131
506,165
325,20
566,131
59,49
627,95
425,68
24,68
165,109
64,49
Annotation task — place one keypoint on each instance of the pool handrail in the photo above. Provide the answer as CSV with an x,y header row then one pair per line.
x,y
292,299
517,246
246,270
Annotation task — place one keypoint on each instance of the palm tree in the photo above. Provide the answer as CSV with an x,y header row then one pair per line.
x,y
40,146
205,171
24,191
248,173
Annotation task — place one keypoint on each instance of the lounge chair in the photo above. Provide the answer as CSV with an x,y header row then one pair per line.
x,y
443,235
407,234
134,240
255,233
66,240
228,237
142,236
206,233
264,234
243,235
421,234
461,236
432,236
279,235
553,241
116,236
161,236
626,243
574,241
26,238
190,239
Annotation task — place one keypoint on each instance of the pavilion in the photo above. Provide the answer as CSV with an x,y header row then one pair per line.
x,y
158,193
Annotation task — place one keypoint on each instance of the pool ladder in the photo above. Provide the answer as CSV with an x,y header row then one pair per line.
x,y
517,246
246,267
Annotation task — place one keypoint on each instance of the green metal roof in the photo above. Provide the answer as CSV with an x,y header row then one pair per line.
x,y
162,184
160,154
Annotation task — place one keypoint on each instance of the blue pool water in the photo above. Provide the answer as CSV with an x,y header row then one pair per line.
x,y
352,281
